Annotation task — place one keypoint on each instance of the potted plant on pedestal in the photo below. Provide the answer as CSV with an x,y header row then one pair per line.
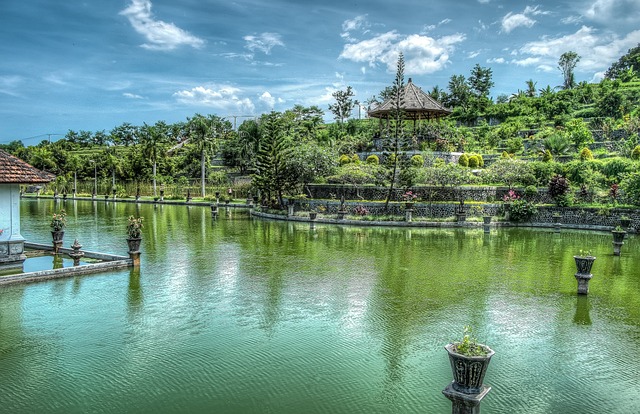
x,y
469,362
625,222
584,262
409,198
134,232
58,222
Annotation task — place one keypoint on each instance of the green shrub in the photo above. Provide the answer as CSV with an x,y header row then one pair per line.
x,y
514,145
344,159
635,154
463,160
547,156
505,155
616,168
522,210
355,159
480,160
586,154
473,161
530,191
631,187
417,161
373,160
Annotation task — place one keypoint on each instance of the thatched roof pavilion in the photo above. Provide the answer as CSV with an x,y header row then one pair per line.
x,y
417,105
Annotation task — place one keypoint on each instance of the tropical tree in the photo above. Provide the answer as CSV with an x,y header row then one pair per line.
x,y
566,64
627,67
395,143
204,134
344,104
154,141
270,177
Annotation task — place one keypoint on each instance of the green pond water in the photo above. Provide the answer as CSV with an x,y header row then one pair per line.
x,y
242,315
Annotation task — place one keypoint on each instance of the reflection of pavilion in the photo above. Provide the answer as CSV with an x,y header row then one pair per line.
x,y
416,106
13,172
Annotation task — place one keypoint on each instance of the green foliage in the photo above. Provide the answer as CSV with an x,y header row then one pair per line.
x,y
463,161
631,187
354,174
578,133
521,210
417,161
511,172
514,145
372,160
586,154
531,191
635,154
344,159
557,144
474,162
469,345
615,169
547,156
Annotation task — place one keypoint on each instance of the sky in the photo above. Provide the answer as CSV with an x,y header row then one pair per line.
x,y
94,65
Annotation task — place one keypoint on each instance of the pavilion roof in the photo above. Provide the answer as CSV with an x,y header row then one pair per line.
x,y
15,171
417,105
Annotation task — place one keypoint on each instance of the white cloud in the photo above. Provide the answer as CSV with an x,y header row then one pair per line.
x,y
512,21
474,54
225,97
268,99
263,42
357,23
597,50
423,54
160,35
132,96
571,20
607,11
496,60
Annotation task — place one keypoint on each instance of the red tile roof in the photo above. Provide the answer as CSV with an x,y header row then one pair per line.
x,y
15,171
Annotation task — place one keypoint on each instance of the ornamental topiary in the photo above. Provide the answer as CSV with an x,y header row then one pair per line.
x,y
373,160
344,159
473,161
417,161
586,154
463,160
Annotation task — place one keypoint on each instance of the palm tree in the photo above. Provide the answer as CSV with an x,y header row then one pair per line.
x,y
153,140
204,133
113,163
531,88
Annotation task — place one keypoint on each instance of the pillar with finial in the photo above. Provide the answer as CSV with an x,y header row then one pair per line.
x,y
76,254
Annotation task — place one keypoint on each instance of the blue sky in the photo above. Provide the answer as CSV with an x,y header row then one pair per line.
x,y
92,65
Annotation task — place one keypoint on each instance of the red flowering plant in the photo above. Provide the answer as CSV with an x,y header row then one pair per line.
x,y
510,196
409,196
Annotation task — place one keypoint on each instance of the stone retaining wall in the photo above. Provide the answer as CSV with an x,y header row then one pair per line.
x,y
425,193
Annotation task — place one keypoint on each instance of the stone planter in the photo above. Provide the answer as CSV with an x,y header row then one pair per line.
x,y
408,205
618,236
341,214
134,244
486,219
584,263
583,275
468,371
625,223
57,235
461,217
313,215
618,241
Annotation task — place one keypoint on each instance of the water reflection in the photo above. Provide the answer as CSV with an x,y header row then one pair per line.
x,y
134,292
582,311
352,319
